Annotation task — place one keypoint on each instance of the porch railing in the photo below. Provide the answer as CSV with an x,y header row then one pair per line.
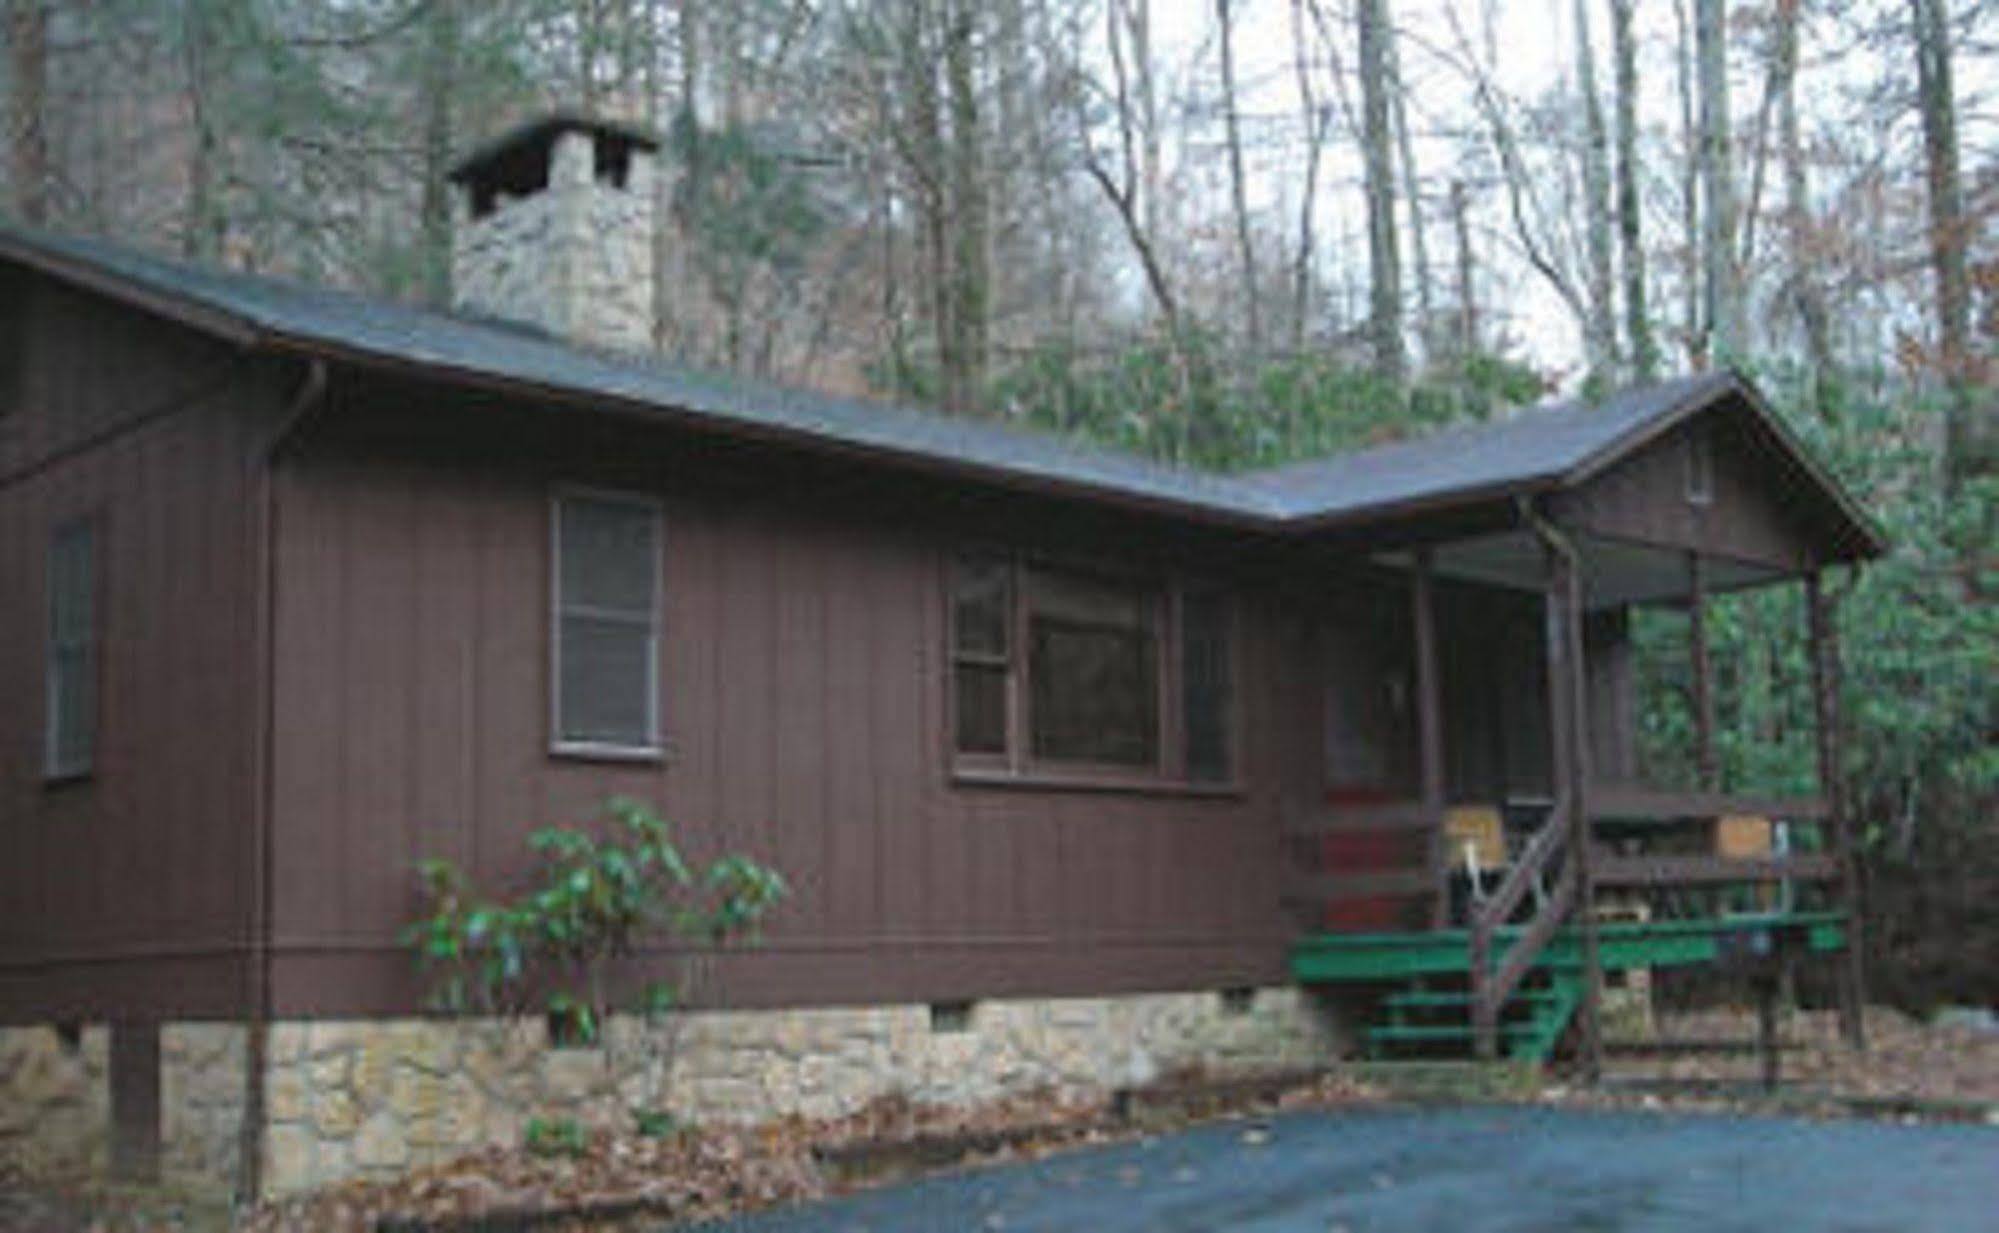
x,y
1492,985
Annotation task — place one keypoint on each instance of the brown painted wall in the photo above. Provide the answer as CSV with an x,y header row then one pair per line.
x,y
1757,513
803,693
127,892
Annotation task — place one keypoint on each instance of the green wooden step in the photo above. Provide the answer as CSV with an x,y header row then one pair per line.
x,y
1411,1033
1415,998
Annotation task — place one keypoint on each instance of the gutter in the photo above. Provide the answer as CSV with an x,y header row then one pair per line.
x,y
309,397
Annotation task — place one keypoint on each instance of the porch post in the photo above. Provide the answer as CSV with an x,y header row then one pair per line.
x,y
1704,760
1824,638
1568,711
1430,727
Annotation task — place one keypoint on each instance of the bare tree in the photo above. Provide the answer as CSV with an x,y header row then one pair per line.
x,y
440,140
1131,185
1722,319
1384,264
1238,193
1936,100
1807,292
969,276
1600,330
27,120
1317,119
1692,297
1468,340
1412,195
1631,244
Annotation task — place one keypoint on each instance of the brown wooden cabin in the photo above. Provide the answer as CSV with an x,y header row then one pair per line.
x,y
298,587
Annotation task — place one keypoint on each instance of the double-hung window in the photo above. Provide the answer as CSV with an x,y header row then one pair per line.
x,y
1070,672
606,626
70,733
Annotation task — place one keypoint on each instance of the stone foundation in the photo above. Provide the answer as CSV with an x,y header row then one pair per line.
x,y
55,1103
373,1098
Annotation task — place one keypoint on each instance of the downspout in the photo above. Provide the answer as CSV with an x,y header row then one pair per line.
x,y
1577,789
310,395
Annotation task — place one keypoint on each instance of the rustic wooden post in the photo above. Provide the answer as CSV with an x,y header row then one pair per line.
x,y
1566,595
1430,728
135,1101
1824,639
1704,759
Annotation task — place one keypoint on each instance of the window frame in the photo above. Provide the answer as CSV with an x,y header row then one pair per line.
x,y
1017,766
654,747
55,771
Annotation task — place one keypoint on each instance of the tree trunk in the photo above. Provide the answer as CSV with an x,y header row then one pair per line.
x,y
1315,137
1601,330
1807,293
971,291
1468,339
1693,336
203,222
1722,324
27,119
1238,198
1936,99
440,83
1637,316
1419,255
1384,262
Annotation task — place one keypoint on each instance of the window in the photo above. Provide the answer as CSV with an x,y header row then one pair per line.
x,y
71,734
1093,670
981,636
606,640
1700,468
1207,661
1068,671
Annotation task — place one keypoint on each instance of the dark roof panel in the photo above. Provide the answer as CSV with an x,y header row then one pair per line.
x,y
1528,452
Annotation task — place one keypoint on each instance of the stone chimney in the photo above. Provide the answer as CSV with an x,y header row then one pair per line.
x,y
554,229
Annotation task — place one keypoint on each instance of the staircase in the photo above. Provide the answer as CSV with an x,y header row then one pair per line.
x,y
1423,1020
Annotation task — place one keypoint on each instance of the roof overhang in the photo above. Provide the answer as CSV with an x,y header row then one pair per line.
x,y
1242,503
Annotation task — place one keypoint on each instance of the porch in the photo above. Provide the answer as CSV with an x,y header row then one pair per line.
x,y
1484,918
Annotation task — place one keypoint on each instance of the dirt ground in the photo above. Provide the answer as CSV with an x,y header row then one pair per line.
x,y
702,1174
1905,1059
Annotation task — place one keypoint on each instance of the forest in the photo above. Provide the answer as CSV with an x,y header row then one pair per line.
x,y
1223,233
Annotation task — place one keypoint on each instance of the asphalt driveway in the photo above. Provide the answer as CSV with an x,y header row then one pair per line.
x,y
1502,1169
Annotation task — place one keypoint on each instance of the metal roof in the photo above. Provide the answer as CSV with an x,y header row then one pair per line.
x,y
1535,450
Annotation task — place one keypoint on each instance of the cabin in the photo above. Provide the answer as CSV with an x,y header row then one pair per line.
x,y
1082,769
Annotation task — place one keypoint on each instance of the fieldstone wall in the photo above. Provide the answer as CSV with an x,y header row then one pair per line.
x,y
574,259
55,1103
370,1099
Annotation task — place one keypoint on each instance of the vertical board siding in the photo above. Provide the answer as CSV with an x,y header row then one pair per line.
x,y
1760,511
128,894
803,704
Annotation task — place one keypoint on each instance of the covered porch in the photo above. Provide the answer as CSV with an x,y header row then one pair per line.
x,y
1502,884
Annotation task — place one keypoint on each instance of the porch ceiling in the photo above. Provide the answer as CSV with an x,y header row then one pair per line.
x,y
1614,572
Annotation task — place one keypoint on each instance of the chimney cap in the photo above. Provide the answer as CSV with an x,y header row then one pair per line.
x,y
516,161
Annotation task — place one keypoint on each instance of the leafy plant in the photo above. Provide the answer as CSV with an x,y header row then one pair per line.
x,y
655,1123
597,897
556,1136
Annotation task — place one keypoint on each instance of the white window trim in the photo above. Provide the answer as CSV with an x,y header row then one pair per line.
x,y
653,746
